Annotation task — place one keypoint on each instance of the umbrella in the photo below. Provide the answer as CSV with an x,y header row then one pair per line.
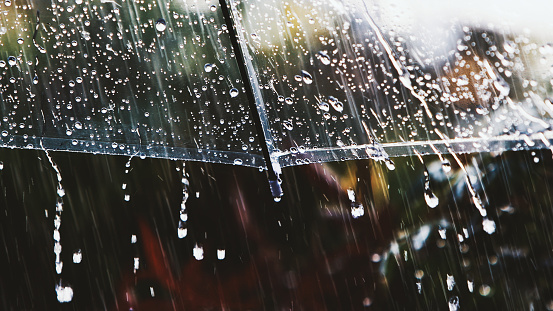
x,y
272,84
258,82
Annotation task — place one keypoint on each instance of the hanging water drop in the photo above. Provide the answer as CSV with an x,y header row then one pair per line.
x,y
446,166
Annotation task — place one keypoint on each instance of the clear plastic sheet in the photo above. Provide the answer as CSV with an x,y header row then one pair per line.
x,y
149,78
357,79
333,80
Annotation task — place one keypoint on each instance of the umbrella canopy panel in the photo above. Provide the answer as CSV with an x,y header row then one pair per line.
x,y
146,78
358,78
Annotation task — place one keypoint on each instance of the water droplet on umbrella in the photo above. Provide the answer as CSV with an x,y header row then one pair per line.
x,y
324,58
307,78
161,25
446,165
12,61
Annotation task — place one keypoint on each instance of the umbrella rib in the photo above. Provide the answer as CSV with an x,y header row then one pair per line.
x,y
273,176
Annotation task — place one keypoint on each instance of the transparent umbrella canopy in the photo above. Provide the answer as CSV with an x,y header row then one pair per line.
x,y
305,82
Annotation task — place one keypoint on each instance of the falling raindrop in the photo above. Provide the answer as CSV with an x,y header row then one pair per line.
x,y
161,25
182,231
220,254
431,199
450,282
77,256
488,225
64,293
453,303
198,252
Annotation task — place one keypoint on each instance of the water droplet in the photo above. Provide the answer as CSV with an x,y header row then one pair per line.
x,y
233,92
238,161
198,252
324,58
288,125
450,282
357,210
277,199
7,3
208,67
431,199
446,165
20,40
324,106
213,8
127,197
485,290
337,105
161,25
453,303
182,232
470,285
289,100
220,254
1,165
306,76
64,293
77,256
12,61
390,164
488,225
